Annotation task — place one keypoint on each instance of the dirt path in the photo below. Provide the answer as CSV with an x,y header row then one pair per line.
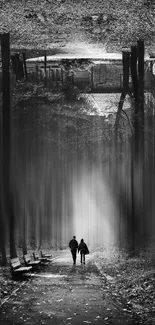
x,y
64,294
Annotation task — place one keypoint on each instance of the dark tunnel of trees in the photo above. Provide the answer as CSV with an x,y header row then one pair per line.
x,y
64,173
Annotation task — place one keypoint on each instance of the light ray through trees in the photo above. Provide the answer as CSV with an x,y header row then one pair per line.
x,y
94,208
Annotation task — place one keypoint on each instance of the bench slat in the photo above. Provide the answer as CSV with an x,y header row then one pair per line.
x,y
22,269
34,262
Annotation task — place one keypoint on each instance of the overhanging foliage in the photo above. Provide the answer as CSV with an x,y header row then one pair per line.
x,y
42,24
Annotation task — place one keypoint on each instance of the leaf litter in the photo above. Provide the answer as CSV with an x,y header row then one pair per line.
x,y
130,282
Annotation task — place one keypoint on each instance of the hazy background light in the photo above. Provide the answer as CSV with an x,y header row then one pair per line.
x,y
94,211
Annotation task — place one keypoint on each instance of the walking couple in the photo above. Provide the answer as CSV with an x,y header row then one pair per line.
x,y
82,248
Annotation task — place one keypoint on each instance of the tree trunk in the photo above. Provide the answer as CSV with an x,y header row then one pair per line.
x,y
118,142
40,230
13,253
2,240
2,218
141,136
92,79
137,163
24,246
45,66
24,237
36,72
25,67
136,99
131,232
16,61
141,96
134,149
134,72
6,116
126,63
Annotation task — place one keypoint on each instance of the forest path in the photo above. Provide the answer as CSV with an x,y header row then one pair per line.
x,y
64,294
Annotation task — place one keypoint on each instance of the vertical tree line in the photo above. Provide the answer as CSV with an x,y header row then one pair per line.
x,y
134,62
7,195
137,162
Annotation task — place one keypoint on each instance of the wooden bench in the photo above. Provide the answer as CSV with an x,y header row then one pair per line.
x,y
16,267
28,261
43,260
45,255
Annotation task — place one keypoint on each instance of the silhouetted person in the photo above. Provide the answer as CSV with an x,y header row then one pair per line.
x,y
83,250
73,244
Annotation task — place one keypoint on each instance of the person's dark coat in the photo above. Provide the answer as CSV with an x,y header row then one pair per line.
x,y
73,244
82,248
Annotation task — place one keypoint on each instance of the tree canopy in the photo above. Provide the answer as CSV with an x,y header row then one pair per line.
x,y
43,24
